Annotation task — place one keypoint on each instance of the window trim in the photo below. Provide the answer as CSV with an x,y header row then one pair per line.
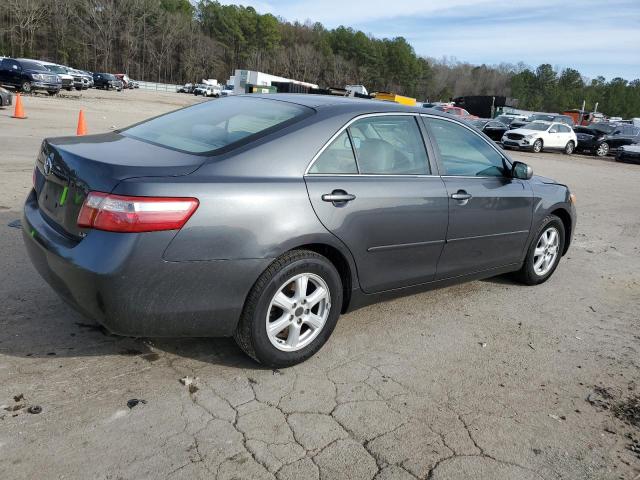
x,y
474,132
425,141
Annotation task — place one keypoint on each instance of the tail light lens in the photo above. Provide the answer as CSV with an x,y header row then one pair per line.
x,y
118,213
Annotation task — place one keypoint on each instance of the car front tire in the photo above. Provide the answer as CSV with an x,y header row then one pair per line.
x,y
544,252
291,310
26,87
537,146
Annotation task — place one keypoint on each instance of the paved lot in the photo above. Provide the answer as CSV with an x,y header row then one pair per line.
x,y
487,380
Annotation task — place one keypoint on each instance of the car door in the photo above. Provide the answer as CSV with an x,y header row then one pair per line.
x,y
617,138
554,137
372,186
628,136
10,73
490,213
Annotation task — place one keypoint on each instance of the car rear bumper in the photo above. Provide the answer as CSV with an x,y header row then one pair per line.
x,y
121,281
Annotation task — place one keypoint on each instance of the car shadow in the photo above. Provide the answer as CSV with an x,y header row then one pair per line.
x,y
57,331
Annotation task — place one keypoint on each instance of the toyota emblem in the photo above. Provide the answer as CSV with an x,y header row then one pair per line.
x,y
48,164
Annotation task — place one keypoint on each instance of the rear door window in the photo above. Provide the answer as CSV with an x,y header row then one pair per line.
x,y
337,158
389,145
212,127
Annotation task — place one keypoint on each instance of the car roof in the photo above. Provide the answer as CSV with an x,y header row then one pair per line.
x,y
358,105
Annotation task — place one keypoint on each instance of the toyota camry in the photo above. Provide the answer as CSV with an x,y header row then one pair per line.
x,y
264,217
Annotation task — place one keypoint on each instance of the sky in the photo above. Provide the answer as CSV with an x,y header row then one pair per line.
x,y
596,37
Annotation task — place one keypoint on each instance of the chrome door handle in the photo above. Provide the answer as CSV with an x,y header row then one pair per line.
x,y
461,195
338,197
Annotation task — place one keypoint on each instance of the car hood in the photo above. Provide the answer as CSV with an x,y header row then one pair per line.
x,y
631,148
541,179
524,131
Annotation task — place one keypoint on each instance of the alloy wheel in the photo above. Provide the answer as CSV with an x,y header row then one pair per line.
x,y
546,252
298,312
26,87
603,150
537,146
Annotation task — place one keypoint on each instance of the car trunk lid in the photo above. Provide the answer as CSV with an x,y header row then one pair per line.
x,y
68,168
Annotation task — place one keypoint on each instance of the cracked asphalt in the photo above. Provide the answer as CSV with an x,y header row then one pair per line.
x,y
486,380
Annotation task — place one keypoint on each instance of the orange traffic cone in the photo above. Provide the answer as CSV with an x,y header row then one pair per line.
x,y
19,110
82,126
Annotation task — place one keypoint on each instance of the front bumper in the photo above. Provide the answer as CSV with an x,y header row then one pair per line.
x,y
49,87
121,281
522,144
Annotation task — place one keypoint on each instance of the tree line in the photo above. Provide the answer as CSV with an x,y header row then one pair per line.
x,y
177,41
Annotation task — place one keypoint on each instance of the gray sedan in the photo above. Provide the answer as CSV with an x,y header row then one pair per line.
x,y
264,217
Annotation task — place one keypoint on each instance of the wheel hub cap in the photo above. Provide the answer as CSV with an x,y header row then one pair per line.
x,y
298,311
546,251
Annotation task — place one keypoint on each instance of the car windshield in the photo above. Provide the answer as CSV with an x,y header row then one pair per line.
x,y
536,126
28,64
602,127
504,119
56,68
479,123
546,118
211,126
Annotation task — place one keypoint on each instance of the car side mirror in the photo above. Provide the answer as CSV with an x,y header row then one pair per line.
x,y
521,171
553,130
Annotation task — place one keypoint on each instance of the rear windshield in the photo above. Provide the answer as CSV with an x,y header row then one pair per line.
x,y
211,126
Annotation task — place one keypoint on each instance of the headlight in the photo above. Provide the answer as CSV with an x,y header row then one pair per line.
x,y
37,76
529,137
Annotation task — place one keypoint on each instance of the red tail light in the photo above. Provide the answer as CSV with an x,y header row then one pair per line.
x,y
117,213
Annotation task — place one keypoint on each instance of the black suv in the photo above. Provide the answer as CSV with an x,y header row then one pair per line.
x,y
106,81
603,138
28,75
545,117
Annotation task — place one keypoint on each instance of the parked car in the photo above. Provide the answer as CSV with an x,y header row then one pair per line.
x,y
6,97
603,138
507,119
190,238
629,154
187,88
63,72
28,76
107,81
460,112
126,81
543,117
207,90
80,79
539,135
491,128
227,91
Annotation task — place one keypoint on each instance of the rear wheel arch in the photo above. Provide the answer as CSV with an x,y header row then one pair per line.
x,y
340,262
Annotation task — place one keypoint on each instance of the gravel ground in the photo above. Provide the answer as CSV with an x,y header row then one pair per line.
x,y
486,380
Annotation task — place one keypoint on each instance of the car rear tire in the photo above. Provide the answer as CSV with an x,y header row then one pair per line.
x,y
602,150
569,147
291,310
537,146
544,252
